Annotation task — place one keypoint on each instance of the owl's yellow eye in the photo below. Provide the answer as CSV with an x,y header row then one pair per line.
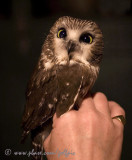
x,y
86,38
61,33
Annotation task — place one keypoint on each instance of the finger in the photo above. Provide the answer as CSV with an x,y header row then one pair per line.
x,y
116,110
87,104
101,103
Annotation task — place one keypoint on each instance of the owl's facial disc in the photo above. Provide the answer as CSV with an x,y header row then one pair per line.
x,y
74,44
78,41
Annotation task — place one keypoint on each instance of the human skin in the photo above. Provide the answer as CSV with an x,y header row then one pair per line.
x,y
89,133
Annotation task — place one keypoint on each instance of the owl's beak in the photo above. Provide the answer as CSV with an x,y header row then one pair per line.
x,y
71,46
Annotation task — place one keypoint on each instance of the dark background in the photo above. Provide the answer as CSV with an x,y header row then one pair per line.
x,y
24,25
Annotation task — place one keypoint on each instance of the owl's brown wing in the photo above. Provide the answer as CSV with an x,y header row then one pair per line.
x,y
39,95
74,83
57,91
70,79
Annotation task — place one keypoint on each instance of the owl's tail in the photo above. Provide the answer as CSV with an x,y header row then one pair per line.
x,y
38,136
37,144
38,151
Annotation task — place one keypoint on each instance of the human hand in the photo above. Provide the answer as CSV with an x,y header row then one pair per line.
x,y
90,132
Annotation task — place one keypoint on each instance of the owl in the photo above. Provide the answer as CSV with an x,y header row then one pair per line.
x,y
64,75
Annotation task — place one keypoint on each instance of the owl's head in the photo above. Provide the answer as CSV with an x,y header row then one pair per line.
x,y
77,40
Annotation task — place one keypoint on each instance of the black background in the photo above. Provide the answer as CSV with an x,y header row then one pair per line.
x,y
24,25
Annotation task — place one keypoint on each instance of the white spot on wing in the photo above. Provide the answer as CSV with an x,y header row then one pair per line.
x,y
67,83
41,102
50,106
67,95
64,97
43,79
75,98
55,99
29,93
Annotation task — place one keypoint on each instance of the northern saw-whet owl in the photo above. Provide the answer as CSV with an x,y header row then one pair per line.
x,y
66,71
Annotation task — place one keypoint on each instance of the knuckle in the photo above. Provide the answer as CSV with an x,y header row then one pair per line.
x,y
122,111
119,109
100,98
84,102
100,94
